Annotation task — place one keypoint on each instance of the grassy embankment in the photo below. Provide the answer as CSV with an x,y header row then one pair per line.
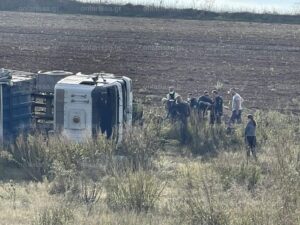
x,y
152,179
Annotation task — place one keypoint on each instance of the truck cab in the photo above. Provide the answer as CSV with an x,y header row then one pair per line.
x,y
88,105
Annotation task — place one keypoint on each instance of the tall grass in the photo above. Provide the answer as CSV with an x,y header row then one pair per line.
x,y
39,155
98,183
138,191
140,146
211,139
199,204
54,216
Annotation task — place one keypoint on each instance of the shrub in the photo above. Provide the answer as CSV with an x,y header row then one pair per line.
x,y
253,215
10,190
32,154
199,205
54,216
242,174
208,139
171,131
141,145
219,86
63,161
64,181
75,163
74,156
272,125
138,191
42,156
90,192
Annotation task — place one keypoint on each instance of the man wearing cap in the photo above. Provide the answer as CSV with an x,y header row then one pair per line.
x,y
172,94
170,103
237,101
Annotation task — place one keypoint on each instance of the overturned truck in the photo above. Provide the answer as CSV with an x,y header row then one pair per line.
x,y
78,106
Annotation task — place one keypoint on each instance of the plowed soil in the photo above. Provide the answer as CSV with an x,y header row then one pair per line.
x,y
262,60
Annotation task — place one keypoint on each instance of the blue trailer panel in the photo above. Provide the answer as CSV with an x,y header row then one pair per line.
x,y
16,104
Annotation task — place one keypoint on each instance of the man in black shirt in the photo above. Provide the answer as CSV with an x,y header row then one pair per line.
x,y
204,103
217,108
183,111
192,101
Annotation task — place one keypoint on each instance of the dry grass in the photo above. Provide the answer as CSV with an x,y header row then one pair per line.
x,y
175,189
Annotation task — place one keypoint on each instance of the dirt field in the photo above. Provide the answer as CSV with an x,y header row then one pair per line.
x,y
260,59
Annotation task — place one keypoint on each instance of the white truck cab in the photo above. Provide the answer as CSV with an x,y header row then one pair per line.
x,y
86,105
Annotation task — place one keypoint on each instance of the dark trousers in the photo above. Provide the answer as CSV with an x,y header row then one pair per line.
x,y
251,145
251,141
203,108
215,118
183,130
236,116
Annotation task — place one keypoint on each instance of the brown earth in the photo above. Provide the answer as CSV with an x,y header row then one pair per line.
x,y
262,60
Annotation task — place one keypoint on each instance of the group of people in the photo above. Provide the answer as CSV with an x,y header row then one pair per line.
x,y
205,104
210,106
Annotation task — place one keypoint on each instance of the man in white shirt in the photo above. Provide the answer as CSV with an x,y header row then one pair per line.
x,y
237,108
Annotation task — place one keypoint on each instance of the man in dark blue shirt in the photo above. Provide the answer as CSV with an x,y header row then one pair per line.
x,y
183,111
217,109
204,103
192,101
